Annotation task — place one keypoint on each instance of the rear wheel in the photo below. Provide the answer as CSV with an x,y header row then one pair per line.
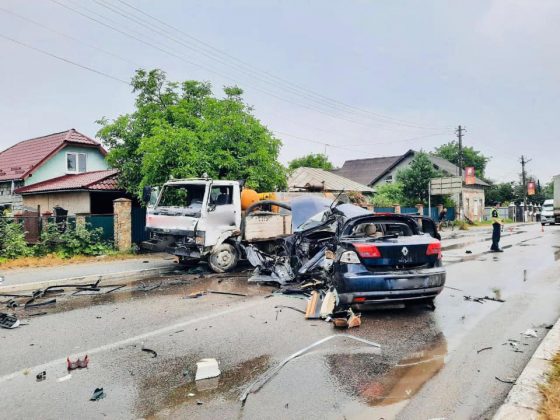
x,y
223,258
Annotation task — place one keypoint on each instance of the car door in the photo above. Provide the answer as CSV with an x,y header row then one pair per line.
x,y
221,214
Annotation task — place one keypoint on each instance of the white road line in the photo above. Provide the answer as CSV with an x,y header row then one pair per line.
x,y
134,339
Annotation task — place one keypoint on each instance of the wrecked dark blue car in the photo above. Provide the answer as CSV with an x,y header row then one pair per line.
x,y
387,259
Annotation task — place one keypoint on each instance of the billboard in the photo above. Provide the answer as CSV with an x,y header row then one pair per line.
x,y
470,178
531,187
446,186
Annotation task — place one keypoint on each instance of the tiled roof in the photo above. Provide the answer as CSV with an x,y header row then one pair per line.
x,y
365,171
304,178
96,181
22,158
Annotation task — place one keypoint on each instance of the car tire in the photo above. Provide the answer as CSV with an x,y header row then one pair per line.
x,y
223,258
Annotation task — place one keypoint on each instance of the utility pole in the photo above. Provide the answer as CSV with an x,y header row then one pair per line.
x,y
524,161
460,130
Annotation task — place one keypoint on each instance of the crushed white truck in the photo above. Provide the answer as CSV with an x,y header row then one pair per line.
x,y
203,219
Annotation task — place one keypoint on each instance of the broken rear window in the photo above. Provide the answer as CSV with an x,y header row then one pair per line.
x,y
379,229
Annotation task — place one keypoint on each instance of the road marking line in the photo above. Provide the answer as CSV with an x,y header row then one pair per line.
x,y
130,340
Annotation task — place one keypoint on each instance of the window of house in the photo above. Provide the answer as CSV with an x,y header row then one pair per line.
x,y
389,179
76,162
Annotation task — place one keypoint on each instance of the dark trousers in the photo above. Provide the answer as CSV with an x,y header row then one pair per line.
x,y
496,236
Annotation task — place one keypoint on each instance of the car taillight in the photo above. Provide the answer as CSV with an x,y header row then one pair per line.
x,y
367,250
359,299
434,249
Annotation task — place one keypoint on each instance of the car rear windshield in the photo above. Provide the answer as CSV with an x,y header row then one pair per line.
x,y
380,229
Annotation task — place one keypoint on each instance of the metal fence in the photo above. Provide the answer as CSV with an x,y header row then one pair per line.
x,y
33,225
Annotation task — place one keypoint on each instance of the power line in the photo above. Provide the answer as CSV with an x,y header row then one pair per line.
x,y
34,22
252,68
23,44
180,57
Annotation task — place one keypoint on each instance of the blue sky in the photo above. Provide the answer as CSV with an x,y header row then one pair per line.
x,y
383,70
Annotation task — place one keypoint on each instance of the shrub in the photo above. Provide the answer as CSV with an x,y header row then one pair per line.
x,y
12,240
77,240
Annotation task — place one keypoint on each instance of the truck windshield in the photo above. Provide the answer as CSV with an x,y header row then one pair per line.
x,y
183,196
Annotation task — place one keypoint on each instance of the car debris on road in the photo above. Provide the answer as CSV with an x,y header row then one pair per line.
x,y
206,369
78,364
8,321
98,394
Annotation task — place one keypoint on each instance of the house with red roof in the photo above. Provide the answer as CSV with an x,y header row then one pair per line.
x,y
66,169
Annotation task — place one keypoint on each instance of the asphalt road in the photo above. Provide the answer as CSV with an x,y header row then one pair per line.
x,y
429,365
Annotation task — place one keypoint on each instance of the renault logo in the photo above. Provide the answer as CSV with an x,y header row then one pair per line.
x,y
404,251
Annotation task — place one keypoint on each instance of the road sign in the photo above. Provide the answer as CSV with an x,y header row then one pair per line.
x,y
446,186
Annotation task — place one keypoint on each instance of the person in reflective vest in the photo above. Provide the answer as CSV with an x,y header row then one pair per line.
x,y
496,229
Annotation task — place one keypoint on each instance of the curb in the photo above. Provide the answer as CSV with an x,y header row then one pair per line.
x,y
121,276
524,398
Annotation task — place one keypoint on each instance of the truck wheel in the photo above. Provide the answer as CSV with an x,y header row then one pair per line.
x,y
223,258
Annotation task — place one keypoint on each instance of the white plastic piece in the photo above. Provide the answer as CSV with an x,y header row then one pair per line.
x,y
64,378
530,333
207,368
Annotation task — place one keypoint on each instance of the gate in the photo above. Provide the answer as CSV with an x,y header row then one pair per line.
x,y
139,233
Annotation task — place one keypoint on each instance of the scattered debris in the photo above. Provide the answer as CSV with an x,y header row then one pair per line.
x,y
98,394
207,368
453,288
147,288
468,251
530,333
261,381
329,303
152,352
64,378
289,307
524,275
216,292
78,364
346,319
8,321
549,327
482,299
506,381
38,314
313,309
44,303
190,394
199,402
483,349
195,295
41,376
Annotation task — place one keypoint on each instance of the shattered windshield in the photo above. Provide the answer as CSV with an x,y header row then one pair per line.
x,y
188,197
305,208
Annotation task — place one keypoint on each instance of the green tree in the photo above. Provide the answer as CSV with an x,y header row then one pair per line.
x,y
318,160
500,193
388,195
471,157
415,179
182,130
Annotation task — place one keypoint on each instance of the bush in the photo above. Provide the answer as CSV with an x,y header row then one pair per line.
x,y
77,240
12,240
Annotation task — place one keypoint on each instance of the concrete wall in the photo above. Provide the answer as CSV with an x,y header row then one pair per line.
x,y
74,202
56,165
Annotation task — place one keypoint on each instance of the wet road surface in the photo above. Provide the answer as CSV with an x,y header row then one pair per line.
x,y
429,365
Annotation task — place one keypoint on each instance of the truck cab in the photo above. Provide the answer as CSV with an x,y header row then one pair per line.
x,y
197,219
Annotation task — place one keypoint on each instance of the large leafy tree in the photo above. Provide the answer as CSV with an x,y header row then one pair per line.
x,y
318,160
415,179
387,195
182,130
471,157
500,193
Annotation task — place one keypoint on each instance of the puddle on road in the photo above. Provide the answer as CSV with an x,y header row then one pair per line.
x,y
165,388
380,384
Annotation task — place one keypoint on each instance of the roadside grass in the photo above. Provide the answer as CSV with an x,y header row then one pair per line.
x,y
489,222
52,260
550,407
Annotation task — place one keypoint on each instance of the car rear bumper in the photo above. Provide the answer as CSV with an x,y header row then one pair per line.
x,y
401,286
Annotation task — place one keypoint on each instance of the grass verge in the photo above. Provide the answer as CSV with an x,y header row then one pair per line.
x,y
550,408
52,260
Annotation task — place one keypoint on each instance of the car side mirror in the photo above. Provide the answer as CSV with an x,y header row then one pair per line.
x,y
211,206
146,194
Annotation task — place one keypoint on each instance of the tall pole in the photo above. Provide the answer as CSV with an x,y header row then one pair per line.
x,y
460,130
524,161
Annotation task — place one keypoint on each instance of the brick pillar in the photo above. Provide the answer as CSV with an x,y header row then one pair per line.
x,y
122,209
397,208
420,208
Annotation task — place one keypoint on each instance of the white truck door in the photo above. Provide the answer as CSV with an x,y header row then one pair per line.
x,y
223,212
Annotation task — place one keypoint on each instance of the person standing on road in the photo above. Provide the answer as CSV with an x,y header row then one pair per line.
x,y
496,229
